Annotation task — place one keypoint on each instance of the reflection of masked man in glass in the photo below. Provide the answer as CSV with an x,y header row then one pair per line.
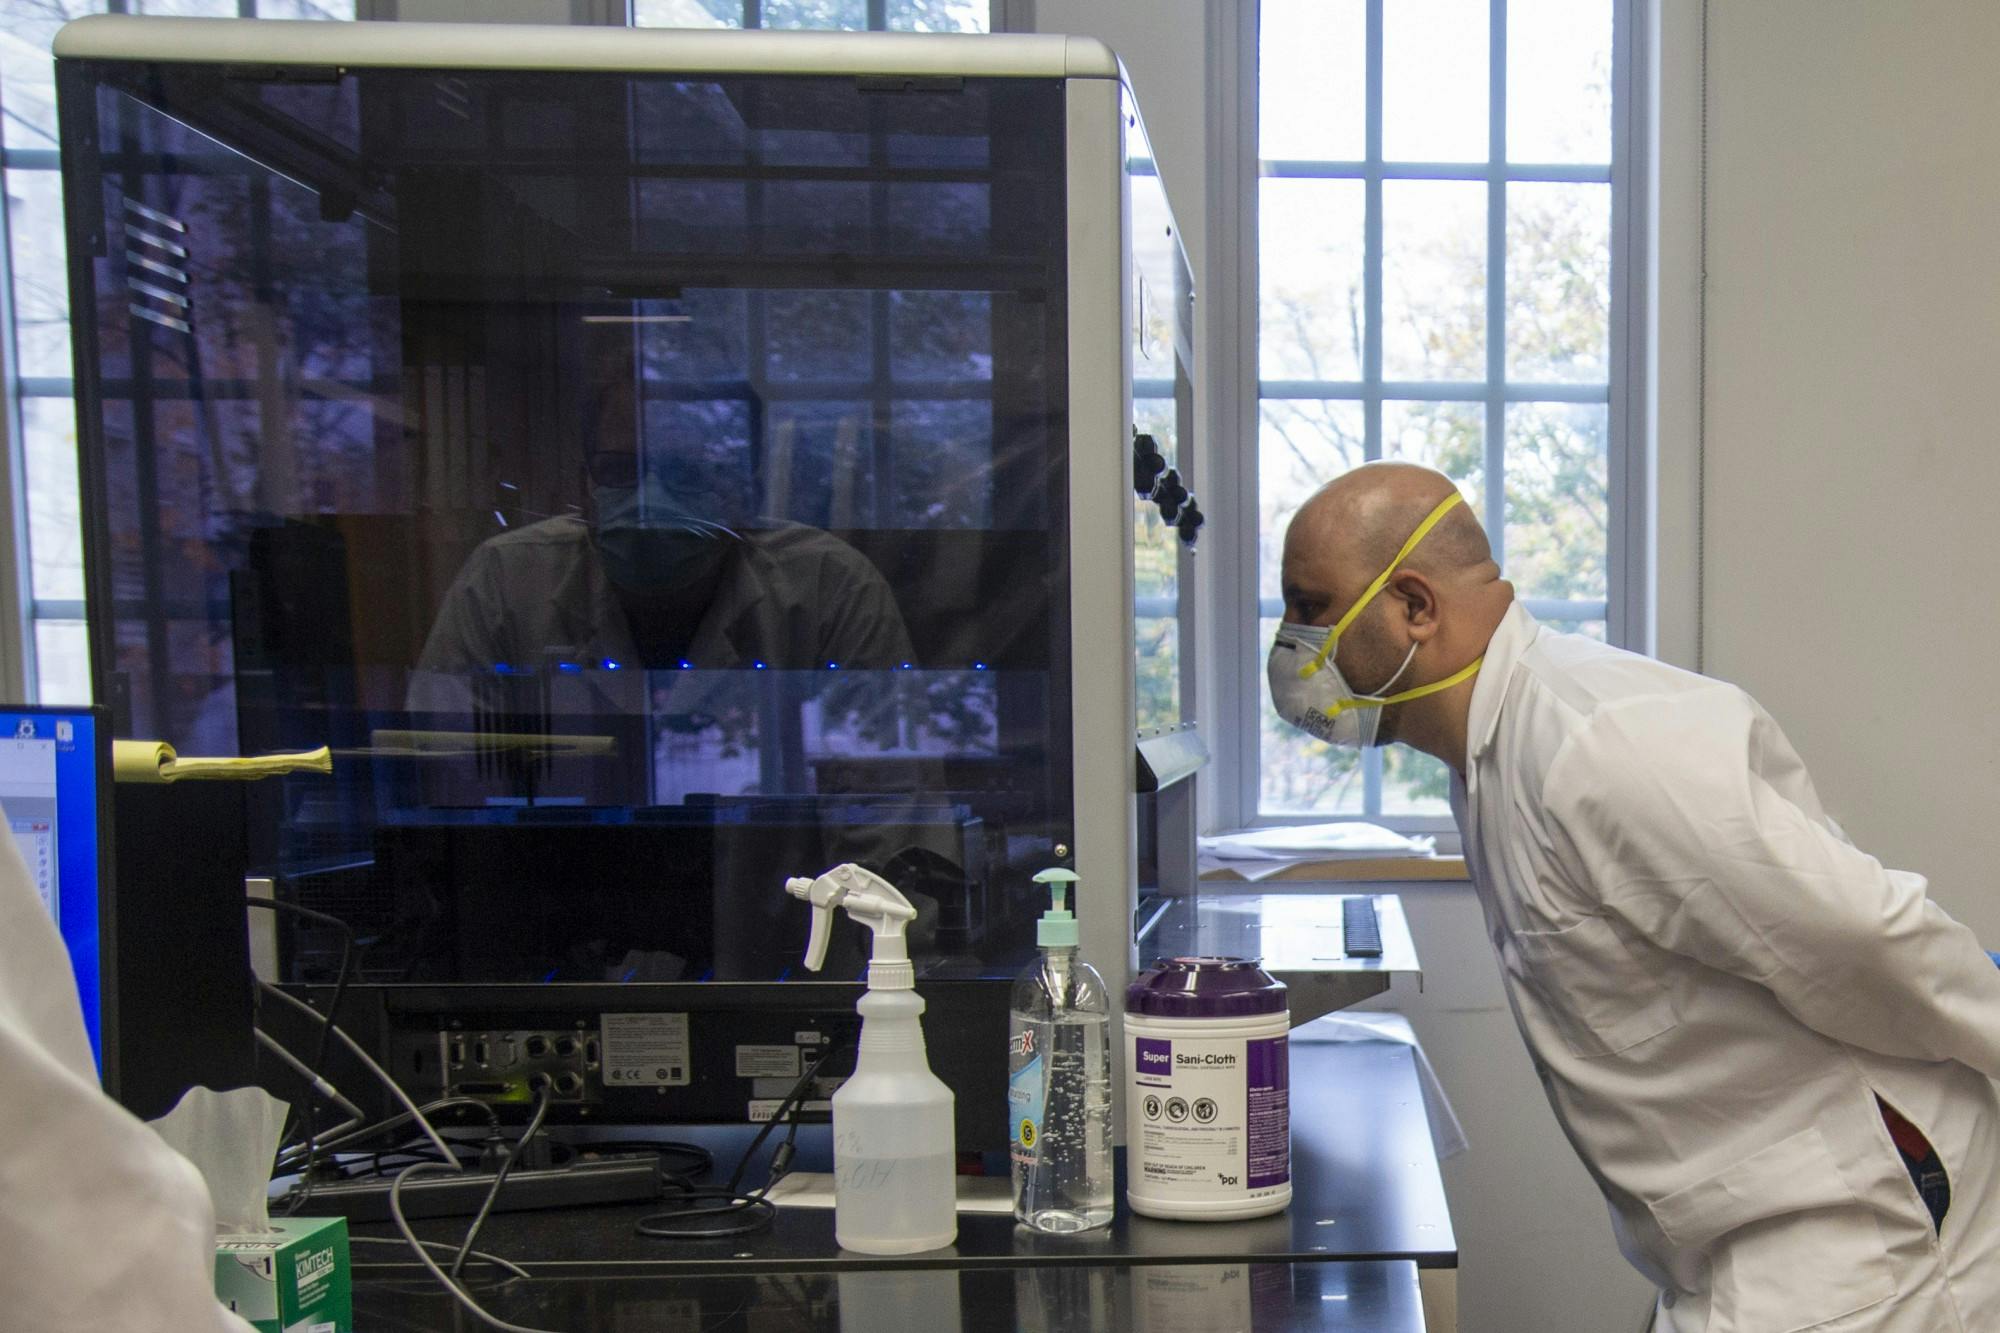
x,y
662,570
642,620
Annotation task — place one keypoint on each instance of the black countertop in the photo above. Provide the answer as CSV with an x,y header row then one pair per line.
x,y
1377,1297
1365,1187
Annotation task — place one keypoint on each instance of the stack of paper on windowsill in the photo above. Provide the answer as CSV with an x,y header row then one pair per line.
x,y
1258,854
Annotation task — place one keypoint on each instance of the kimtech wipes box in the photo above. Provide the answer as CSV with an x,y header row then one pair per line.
x,y
293,1278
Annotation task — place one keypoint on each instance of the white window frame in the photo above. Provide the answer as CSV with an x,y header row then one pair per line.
x,y
1235,394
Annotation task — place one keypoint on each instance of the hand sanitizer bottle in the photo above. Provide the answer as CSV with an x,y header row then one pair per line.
x,y
1059,1079
895,1160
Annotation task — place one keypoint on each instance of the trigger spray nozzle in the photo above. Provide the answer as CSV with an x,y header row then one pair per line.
x,y
876,904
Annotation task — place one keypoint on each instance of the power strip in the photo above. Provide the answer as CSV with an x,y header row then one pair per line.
x,y
624,1178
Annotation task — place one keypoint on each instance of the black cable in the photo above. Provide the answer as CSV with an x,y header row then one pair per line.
x,y
542,1105
405,1117
700,1159
311,1111
756,1211
513,1270
458,1293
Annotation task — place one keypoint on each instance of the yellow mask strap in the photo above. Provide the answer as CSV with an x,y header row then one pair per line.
x,y
1381,581
1435,687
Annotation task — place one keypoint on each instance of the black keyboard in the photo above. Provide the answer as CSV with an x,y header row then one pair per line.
x,y
1361,933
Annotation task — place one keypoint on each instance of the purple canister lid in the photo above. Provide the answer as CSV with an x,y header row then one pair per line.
x,y
1205,988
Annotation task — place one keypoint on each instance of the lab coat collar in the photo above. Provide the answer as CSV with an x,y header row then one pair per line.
x,y
1512,638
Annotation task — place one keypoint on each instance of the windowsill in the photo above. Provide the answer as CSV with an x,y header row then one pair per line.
x,y
1348,868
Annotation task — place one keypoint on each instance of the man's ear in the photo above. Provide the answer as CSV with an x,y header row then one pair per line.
x,y
1416,600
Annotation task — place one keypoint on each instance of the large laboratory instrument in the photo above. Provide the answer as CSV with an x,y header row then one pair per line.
x,y
657,464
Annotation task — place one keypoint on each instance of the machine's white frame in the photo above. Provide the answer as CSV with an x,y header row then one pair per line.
x,y
527,46
1103,684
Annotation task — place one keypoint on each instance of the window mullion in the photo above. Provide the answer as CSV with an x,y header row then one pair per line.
x,y
1371,325
1496,285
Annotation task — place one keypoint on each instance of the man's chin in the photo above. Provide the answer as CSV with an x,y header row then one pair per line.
x,y
1386,731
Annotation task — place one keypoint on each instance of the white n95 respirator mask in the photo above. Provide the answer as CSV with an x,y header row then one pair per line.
x,y
1319,702
1307,689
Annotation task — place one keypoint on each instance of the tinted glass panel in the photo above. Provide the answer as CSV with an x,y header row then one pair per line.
x,y
649,489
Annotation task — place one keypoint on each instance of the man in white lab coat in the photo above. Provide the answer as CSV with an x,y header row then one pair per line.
x,y
1775,1056
102,1225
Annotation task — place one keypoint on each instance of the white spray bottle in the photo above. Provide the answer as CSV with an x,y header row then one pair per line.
x,y
894,1155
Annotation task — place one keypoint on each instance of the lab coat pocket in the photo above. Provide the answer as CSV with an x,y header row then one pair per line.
x,y
1791,1246
1595,992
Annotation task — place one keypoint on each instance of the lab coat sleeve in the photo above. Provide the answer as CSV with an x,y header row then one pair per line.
x,y
1663,804
102,1225
463,639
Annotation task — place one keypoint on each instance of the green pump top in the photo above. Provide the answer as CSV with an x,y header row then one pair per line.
x,y
1057,928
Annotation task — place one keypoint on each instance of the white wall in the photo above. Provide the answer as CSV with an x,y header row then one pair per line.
x,y
1852,452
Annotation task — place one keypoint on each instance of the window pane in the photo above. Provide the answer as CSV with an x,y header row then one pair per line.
x,y
305,9
1310,300
1305,444
1559,81
687,13
818,335
62,662
1558,282
817,467
1312,72
941,336
944,474
938,15
1413,783
1589,629
1156,582
1450,437
55,534
849,14
41,292
27,75
1557,503
1434,80
189,9
1156,644
1433,280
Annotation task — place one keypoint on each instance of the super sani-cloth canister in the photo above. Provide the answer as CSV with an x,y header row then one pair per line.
x,y
1208,1127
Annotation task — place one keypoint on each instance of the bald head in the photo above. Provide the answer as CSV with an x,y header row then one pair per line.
x,y
1352,527
1435,614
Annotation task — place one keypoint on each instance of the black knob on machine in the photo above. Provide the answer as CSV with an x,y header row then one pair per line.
x,y
1147,463
1190,521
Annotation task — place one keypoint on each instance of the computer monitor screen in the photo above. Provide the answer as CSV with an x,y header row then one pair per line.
x,y
51,789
